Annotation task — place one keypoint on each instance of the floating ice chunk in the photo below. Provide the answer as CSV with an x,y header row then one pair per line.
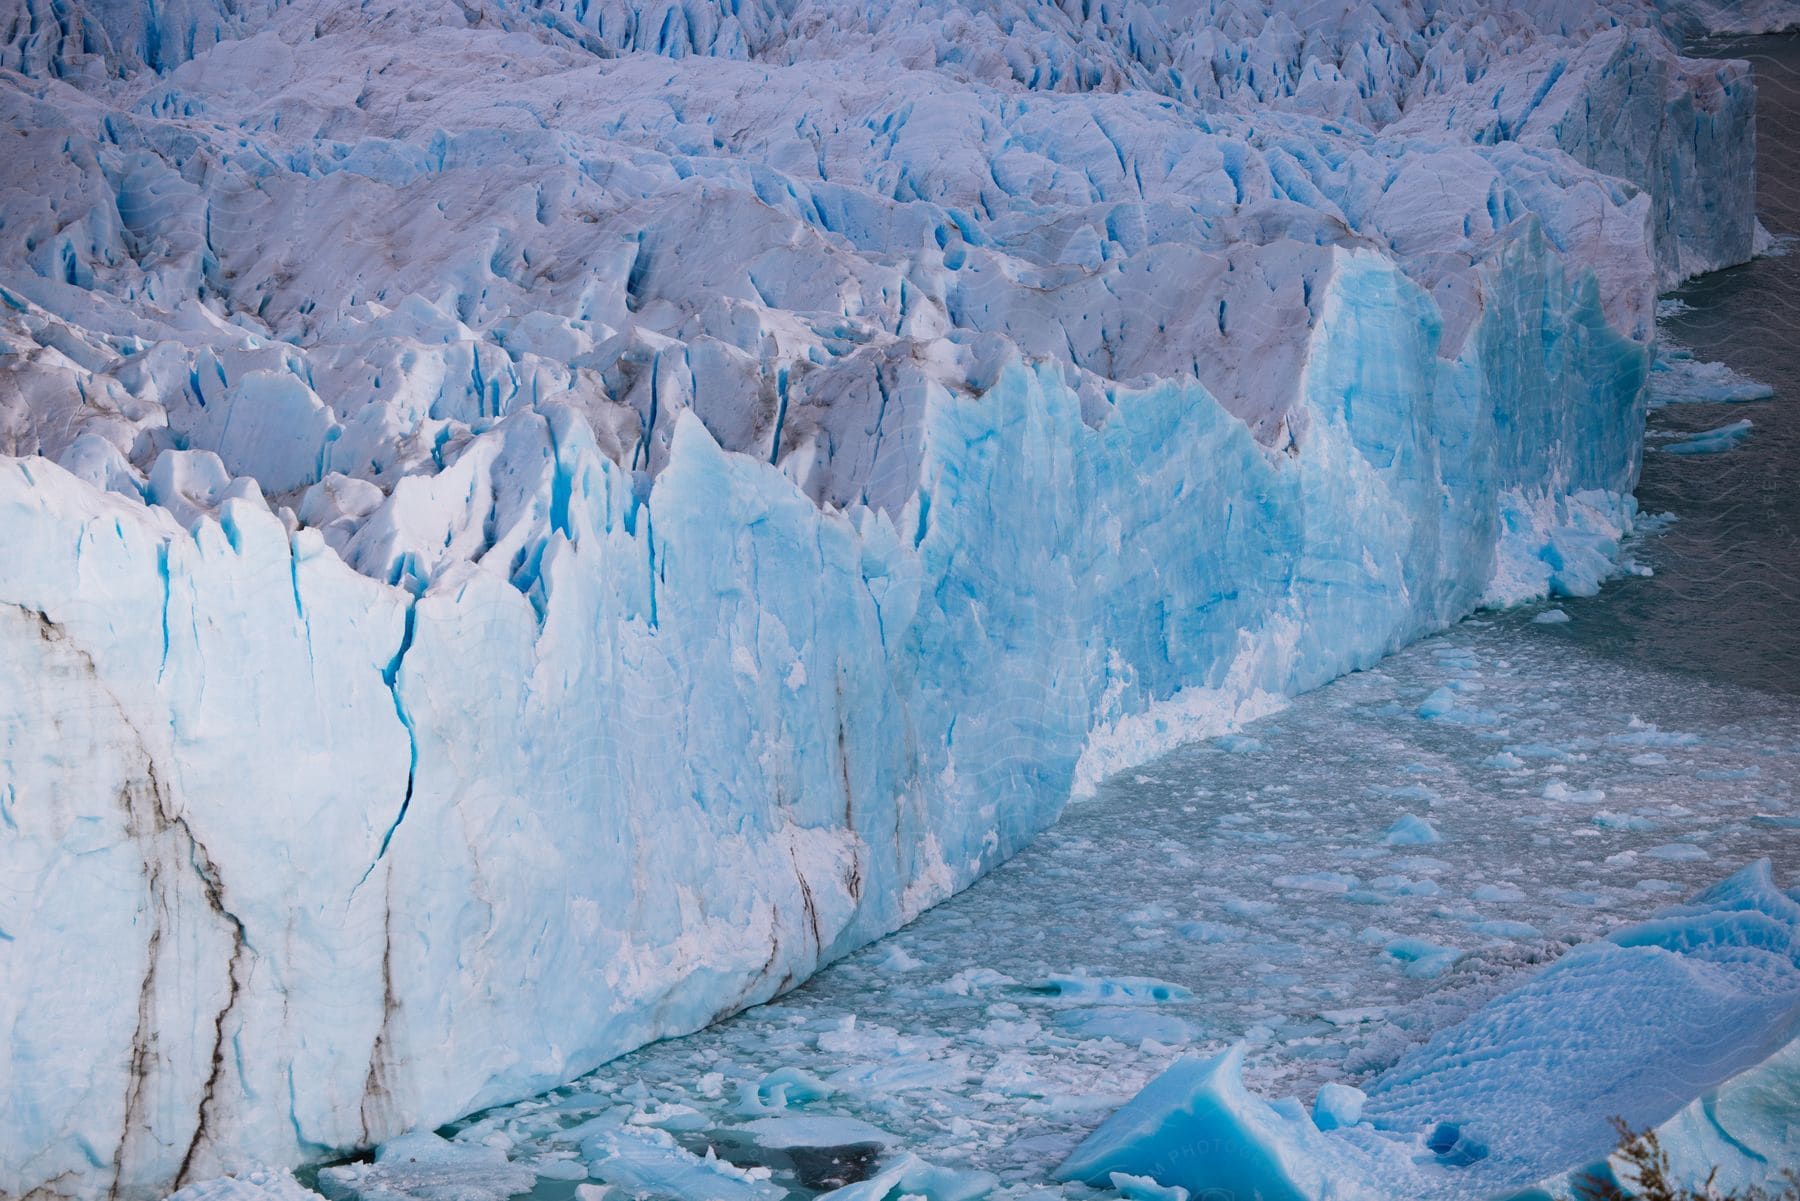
x,y
1550,617
1317,882
1337,1105
775,1092
1142,1188
1405,886
421,1166
902,1073
898,960
969,981
1005,1032
1411,830
1422,959
1115,989
1059,1104
1710,442
1501,893
1556,790
824,1151
1542,751
614,1117
1425,865
258,1184
1636,823
1643,733
558,1167
1438,704
1444,706
651,1161
1148,915
1677,852
1245,907
1132,1025
1676,377
1196,1127
911,1177
1354,1017
674,1116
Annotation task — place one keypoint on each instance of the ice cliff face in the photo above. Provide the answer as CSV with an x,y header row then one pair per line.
x,y
529,528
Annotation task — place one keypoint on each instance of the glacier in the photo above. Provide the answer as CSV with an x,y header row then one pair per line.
x,y
1242,889
532,527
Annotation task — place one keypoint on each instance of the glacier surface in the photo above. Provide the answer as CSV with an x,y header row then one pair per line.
x,y
531,527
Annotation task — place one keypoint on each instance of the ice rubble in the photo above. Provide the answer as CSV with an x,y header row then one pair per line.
x,y
505,495
1689,1022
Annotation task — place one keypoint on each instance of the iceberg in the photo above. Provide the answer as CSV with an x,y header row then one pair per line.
x,y
1677,377
531,527
1714,441
1688,1023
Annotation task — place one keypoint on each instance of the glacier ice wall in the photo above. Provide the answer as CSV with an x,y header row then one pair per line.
x,y
529,530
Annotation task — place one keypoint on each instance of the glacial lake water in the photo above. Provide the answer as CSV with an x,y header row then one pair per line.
x,y
1583,763
1728,571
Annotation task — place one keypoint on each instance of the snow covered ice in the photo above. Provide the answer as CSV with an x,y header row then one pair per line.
x,y
532,527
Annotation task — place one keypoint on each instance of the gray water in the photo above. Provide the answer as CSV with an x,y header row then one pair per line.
x,y
1724,603
1244,889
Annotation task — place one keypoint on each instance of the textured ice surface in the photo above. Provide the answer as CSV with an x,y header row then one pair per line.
x,y
423,1165
1677,377
256,1184
998,1030
1714,441
656,496
1638,1027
